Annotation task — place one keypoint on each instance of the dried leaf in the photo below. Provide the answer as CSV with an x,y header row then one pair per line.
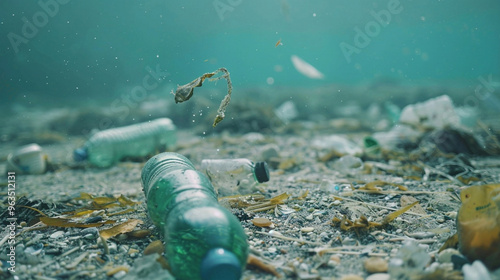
x,y
256,262
121,228
304,195
268,204
374,186
279,199
124,201
363,223
389,218
121,212
62,222
451,242
34,209
80,213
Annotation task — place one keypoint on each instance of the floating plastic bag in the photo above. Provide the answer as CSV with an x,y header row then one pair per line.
x,y
478,224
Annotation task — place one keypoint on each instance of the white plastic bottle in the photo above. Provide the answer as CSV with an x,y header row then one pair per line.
x,y
107,147
235,176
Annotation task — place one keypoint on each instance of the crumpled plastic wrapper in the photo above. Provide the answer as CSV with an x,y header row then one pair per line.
x,y
478,224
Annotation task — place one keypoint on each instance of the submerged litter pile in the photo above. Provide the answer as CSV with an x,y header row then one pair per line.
x,y
353,205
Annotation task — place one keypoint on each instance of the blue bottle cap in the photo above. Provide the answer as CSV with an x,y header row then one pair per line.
x,y
80,154
220,264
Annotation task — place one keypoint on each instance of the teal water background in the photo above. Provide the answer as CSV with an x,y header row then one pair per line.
x,y
88,51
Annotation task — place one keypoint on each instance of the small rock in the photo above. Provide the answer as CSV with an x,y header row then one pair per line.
x,y
56,234
89,236
272,250
351,277
120,274
306,229
376,265
112,247
141,233
124,249
262,222
335,258
440,220
379,276
445,255
310,217
154,247
452,215
336,203
304,267
349,242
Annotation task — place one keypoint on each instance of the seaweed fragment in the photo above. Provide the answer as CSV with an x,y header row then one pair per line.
x,y
185,92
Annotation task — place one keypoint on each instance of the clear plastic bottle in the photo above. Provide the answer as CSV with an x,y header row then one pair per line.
x,y
235,176
107,147
203,240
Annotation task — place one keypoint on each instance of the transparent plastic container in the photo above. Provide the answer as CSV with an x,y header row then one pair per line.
x,y
107,147
235,176
203,240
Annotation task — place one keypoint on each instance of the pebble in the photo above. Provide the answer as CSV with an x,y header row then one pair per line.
x,y
310,217
124,249
112,247
379,276
452,214
349,241
336,203
376,265
141,233
307,229
120,274
440,220
304,267
89,236
262,222
57,234
272,250
351,277
445,255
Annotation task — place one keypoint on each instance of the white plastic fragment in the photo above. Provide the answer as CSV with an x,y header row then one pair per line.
x,y
305,68
476,271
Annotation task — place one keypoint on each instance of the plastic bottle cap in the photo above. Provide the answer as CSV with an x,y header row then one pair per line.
x,y
220,264
80,154
261,171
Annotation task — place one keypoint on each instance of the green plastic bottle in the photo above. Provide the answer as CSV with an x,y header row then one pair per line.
x,y
203,240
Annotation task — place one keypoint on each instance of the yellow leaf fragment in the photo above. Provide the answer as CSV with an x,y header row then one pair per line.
x,y
375,186
279,199
121,228
62,222
389,218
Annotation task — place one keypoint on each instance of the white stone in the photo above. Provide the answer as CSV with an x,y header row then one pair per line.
x,y
379,276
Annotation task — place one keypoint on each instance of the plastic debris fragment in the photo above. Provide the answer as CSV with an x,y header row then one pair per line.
x,y
185,92
479,224
305,68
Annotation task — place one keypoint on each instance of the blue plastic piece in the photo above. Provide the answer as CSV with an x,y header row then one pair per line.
x,y
80,154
